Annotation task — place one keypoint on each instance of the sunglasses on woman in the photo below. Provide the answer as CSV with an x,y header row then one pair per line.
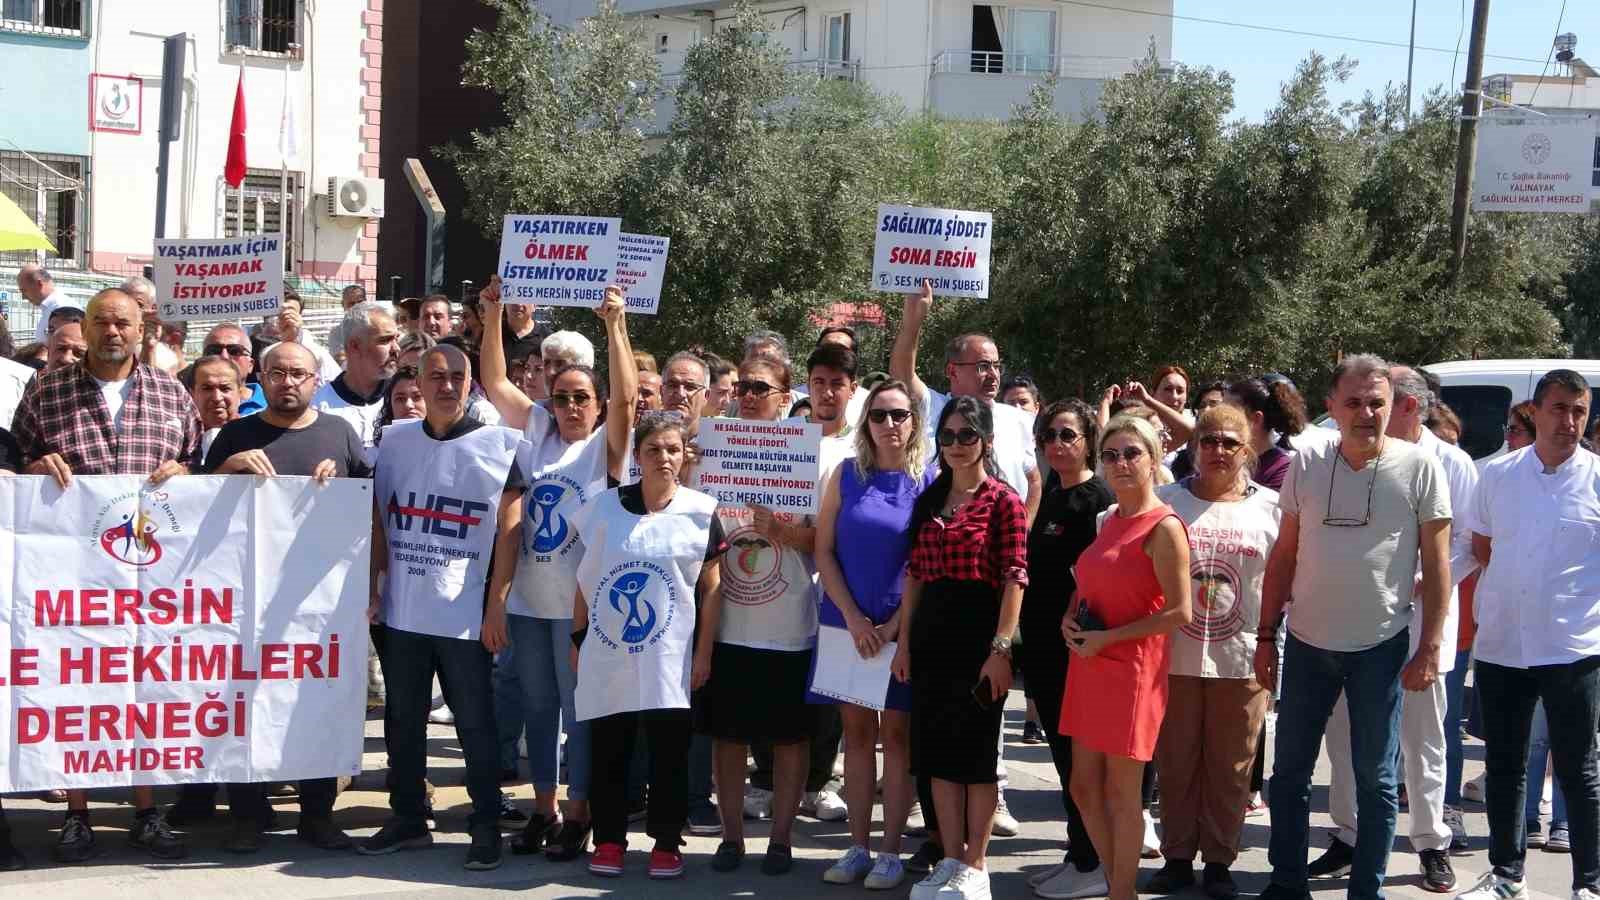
x,y
757,389
966,437
1128,455
1064,435
880,416
1215,441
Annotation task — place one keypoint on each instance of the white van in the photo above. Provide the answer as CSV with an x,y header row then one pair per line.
x,y
1482,392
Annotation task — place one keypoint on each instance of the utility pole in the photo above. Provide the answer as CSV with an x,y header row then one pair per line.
x,y
1411,59
1467,149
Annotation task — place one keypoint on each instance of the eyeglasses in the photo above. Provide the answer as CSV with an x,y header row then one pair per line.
x,y
1214,441
1064,435
984,366
1110,458
966,437
577,400
1334,520
757,389
226,350
280,376
880,416
681,387
1516,429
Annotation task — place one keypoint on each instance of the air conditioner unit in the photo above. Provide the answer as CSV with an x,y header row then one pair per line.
x,y
352,197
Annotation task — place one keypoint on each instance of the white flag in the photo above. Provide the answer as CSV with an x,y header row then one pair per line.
x,y
288,138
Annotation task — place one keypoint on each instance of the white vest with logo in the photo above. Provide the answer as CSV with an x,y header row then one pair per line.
x,y
439,501
562,476
638,576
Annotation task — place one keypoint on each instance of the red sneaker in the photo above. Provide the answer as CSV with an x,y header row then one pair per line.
x,y
666,864
606,860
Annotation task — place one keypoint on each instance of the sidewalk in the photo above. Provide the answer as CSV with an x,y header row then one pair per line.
x,y
289,870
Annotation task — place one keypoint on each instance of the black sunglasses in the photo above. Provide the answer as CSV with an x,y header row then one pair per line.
x,y
1064,435
1128,455
226,350
880,416
757,389
966,437
1213,441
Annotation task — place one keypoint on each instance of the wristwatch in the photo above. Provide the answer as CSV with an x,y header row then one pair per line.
x,y
1000,646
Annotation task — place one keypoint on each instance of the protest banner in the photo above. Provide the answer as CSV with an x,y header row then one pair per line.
x,y
219,278
211,629
641,270
1534,165
557,260
771,464
950,247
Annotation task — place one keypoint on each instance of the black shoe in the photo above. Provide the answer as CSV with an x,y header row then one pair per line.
x,y
704,820
10,859
152,835
511,818
1437,874
320,832
76,842
1032,733
244,838
728,858
1279,892
778,861
193,807
395,836
484,853
1335,863
535,835
569,843
1176,875
1217,882
926,857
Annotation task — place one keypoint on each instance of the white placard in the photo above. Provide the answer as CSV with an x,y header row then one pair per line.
x,y
558,260
771,464
948,246
641,270
842,674
1535,165
211,629
219,278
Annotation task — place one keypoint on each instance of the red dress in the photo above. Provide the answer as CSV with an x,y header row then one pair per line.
x,y
1115,701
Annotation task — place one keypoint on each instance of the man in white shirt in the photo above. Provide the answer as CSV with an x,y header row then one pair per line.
x,y
1357,515
14,376
1422,725
38,287
1536,531
372,352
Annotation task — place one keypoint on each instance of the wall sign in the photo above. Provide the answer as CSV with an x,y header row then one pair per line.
x,y
116,103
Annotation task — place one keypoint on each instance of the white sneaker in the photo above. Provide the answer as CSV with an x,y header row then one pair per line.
x,y
757,803
825,806
1494,887
442,716
887,873
1005,824
1473,789
966,884
928,887
851,867
1585,894
915,826
1071,884
1152,843
1039,878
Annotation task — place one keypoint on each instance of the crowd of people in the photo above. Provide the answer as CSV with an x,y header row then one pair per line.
x,y
1162,567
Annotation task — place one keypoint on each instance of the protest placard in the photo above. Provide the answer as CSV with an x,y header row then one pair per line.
x,y
950,247
641,269
219,278
211,629
771,464
558,260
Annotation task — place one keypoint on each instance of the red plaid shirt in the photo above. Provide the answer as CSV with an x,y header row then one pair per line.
x,y
986,541
64,412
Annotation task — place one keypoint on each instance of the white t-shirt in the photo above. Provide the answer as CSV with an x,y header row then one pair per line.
x,y
1013,440
769,593
335,398
115,393
52,302
1229,544
14,378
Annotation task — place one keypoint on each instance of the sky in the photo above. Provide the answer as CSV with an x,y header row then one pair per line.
x,y
1519,39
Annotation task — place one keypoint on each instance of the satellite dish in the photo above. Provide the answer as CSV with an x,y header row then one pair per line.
x,y
353,196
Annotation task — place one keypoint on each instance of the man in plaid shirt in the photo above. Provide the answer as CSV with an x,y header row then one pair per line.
x,y
109,415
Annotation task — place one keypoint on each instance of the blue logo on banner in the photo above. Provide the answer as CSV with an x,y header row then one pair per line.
x,y
640,619
549,527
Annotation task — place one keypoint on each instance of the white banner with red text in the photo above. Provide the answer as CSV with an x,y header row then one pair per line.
x,y
210,629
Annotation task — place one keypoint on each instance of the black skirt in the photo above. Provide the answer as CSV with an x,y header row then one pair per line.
x,y
756,696
953,738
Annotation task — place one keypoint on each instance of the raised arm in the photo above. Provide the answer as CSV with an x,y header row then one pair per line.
x,y
1176,424
624,380
509,401
903,361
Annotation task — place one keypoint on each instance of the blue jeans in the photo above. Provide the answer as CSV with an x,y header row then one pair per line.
x,y
1312,681
543,662
1538,756
1455,686
507,708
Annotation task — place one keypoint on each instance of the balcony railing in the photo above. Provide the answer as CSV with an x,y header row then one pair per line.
x,y
993,62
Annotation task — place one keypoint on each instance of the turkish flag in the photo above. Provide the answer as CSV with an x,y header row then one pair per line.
x,y
233,173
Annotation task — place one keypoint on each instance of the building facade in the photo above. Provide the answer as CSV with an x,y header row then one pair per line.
x,y
80,108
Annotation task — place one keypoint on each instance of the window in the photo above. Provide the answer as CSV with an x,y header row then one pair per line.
x,y
49,190
1013,40
263,26
264,210
838,38
1483,409
43,16
663,43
